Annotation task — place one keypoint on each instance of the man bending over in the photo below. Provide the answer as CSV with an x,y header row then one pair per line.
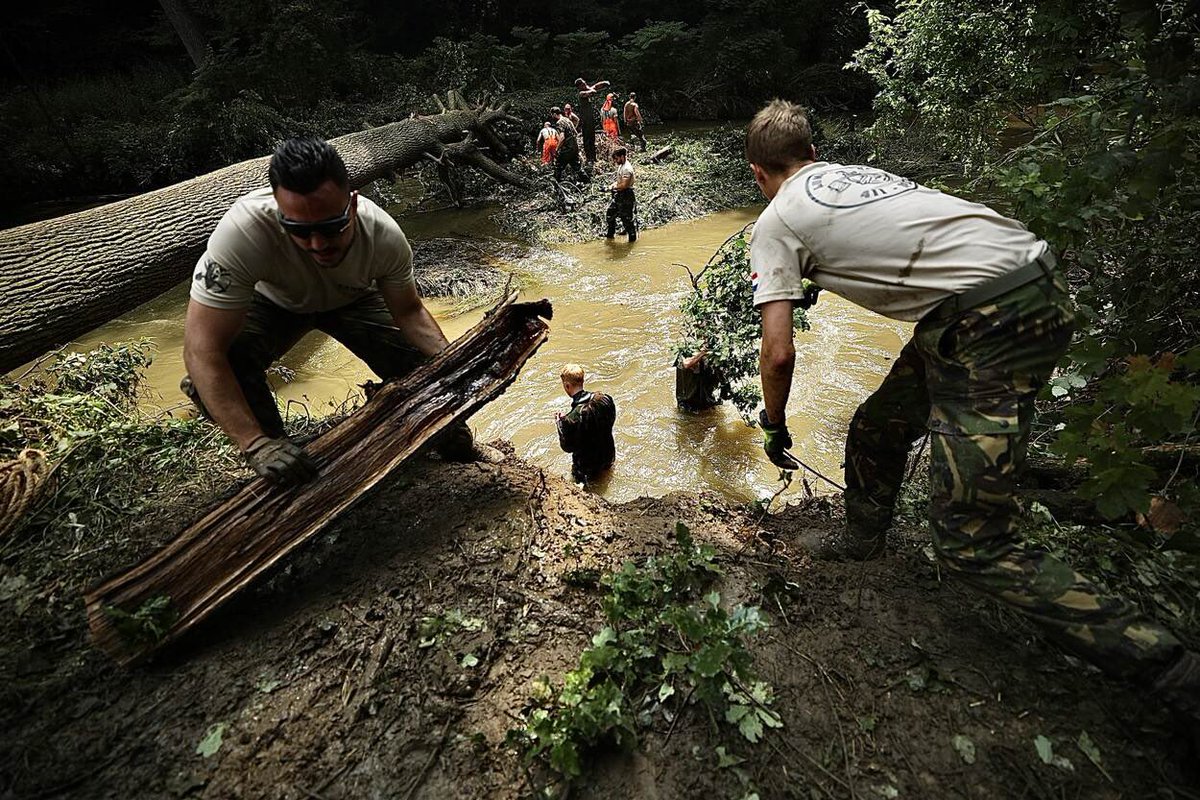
x,y
306,253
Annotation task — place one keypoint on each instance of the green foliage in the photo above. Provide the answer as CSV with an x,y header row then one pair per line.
x,y
666,644
957,67
110,372
1129,562
212,740
581,51
209,131
479,61
148,624
720,317
434,629
660,53
111,457
1147,402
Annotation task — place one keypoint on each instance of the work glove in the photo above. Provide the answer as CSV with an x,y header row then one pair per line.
x,y
776,441
280,461
811,290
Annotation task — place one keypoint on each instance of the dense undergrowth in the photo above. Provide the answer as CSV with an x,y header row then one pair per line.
x,y
123,481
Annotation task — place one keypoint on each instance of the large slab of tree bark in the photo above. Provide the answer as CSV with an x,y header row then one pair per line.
x,y
62,277
134,613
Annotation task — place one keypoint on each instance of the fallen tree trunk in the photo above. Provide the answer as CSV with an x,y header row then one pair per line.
x,y
660,154
134,613
65,276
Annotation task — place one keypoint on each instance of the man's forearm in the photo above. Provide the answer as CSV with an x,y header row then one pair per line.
x,y
222,396
422,331
776,370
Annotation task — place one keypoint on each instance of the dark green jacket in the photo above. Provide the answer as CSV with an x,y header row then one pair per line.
x,y
586,432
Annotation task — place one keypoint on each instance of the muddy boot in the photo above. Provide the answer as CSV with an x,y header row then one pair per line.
x,y
1179,687
840,545
456,443
864,536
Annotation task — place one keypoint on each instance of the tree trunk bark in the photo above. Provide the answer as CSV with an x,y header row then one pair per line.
x,y
188,29
65,276
138,611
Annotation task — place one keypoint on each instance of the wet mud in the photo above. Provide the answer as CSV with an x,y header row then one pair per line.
x,y
329,680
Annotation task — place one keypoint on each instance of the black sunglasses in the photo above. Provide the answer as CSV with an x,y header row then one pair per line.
x,y
327,228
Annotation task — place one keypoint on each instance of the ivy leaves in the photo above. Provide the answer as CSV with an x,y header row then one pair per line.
x,y
720,318
1146,402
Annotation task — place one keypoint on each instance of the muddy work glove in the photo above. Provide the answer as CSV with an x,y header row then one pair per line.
x,y
776,441
811,290
280,461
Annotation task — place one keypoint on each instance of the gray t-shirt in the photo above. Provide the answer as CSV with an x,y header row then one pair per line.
x,y
249,252
881,241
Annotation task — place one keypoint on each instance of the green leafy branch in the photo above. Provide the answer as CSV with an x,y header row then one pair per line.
x,y
148,624
1148,401
720,319
667,645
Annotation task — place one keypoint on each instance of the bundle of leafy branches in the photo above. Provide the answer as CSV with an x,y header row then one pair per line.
x,y
124,479
703,174
720,320
667,646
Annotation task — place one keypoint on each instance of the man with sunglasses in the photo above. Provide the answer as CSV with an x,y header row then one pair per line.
x,y
307,253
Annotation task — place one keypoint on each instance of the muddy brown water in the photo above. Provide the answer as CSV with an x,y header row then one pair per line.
x,y
616,313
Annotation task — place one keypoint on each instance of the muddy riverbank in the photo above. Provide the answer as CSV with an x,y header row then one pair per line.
x,y
322,682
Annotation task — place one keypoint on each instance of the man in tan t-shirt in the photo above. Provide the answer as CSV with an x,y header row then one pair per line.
x,y
307,253
993,318
623,199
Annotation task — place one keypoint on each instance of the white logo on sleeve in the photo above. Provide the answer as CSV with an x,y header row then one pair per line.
x,y
848,187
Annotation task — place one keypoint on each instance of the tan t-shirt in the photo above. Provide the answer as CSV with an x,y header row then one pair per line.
x,y
623,171
249,252
881,241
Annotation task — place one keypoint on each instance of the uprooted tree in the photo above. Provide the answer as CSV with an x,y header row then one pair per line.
x,y
65,276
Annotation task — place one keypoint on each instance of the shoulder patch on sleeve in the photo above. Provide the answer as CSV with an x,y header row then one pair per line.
x,y
214,277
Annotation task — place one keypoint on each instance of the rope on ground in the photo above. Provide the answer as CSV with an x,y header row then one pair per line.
x,y
830,481
21,482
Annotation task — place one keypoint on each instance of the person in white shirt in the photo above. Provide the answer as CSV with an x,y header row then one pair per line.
x,y
623,199
993,318
307,253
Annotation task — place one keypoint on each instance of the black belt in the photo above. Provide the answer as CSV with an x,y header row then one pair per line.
x,y
1041,267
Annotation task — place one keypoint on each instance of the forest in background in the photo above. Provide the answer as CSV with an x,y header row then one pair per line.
x,y
103,98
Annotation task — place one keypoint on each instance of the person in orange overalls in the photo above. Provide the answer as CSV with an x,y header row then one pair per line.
x,y
608,117
547,142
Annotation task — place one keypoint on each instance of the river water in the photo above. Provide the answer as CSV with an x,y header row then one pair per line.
x,y
616,313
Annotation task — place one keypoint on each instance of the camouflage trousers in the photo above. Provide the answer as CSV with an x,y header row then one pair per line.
x,y
970,380
364,326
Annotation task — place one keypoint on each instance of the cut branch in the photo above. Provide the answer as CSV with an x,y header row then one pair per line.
x,y
244,536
